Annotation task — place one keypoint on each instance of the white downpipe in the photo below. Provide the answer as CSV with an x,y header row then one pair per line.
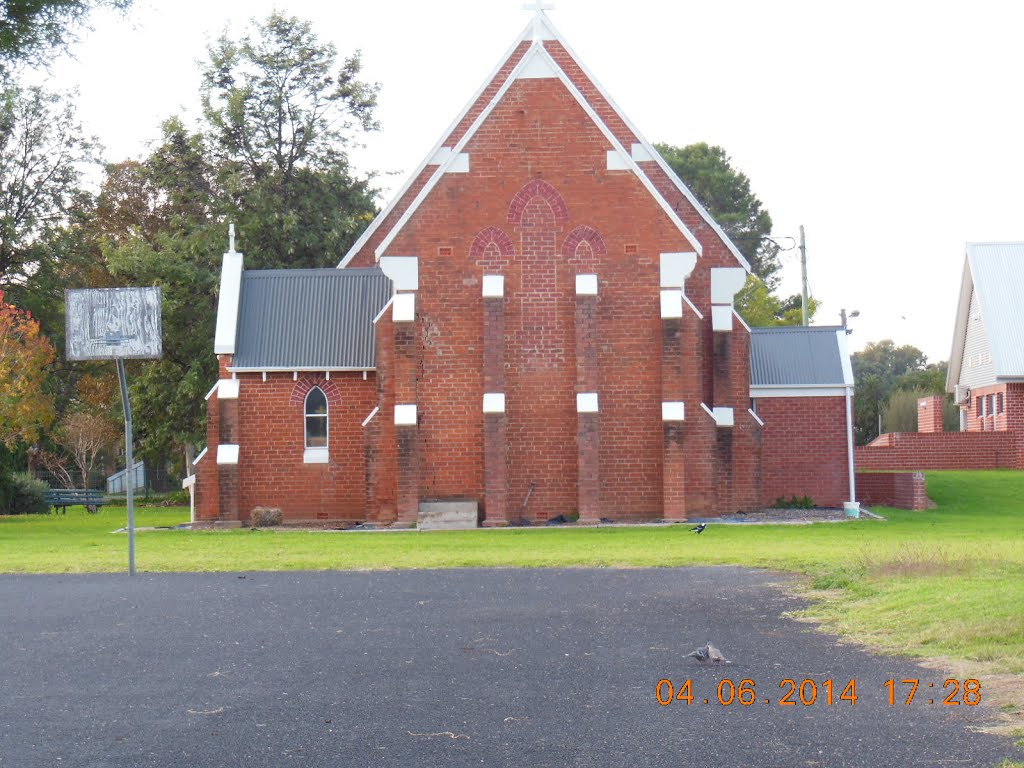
x,y
852,506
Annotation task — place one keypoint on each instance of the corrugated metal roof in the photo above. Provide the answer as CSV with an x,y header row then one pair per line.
x,y
309,318
796,356
998,272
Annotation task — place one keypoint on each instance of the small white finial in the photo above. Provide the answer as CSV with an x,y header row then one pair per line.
x,y
231,238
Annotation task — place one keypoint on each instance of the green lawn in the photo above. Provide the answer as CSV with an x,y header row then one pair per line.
x,y
948,582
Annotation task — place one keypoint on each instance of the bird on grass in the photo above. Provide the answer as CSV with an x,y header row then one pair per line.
x,y
699,528
708,655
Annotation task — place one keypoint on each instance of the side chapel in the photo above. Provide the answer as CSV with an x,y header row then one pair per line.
x,y
540,322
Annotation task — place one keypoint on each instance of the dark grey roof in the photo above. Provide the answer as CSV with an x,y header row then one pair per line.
x,y
309,318
797,356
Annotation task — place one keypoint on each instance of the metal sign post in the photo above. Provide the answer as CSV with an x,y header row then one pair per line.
x,y
118,324
129,474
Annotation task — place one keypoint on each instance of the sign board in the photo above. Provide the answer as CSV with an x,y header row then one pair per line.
x,y
111,323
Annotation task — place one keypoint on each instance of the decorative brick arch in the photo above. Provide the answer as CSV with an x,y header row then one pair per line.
x,y
583,247
537,188
306,383
492,249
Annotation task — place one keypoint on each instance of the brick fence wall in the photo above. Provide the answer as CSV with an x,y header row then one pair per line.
x,y
942,450
904,490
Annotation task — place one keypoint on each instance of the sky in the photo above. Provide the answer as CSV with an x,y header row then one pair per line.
x,y
890,130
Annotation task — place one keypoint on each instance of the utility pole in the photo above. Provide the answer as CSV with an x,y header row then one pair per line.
x,y
803,275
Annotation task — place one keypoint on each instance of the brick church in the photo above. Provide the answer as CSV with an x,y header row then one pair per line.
x,y
540,323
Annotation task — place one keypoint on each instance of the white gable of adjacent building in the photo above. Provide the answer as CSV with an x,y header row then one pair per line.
x,y
988,337
976,369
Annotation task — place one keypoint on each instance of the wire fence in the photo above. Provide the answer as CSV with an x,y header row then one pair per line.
x,y
152,480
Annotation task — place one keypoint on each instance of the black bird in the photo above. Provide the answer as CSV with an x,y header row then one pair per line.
x,y
700,528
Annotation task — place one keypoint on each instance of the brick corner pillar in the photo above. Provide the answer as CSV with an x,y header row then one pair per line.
x,y
227,450
588,419
496,511
676,383
673,478
929,413
673,412
207,487
725,283
371,462
406,415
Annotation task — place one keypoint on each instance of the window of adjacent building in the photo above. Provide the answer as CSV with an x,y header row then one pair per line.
x,y
979,406
316,427
991,404
999,403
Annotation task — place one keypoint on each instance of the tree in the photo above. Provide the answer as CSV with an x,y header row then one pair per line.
x,y
899,414
25,407
273,103
84,437
725,192
42,154
881,370
279,118
760,307
269,157
33,30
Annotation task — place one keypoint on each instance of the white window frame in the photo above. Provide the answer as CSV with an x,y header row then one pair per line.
x,y
318,454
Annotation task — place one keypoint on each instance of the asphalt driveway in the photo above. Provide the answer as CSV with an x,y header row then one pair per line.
x,y
450,668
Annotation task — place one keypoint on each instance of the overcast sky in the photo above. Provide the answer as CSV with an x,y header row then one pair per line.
x,y
890,130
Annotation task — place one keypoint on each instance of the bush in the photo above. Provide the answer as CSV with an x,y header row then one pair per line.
x,y
265,517
804,502
25,495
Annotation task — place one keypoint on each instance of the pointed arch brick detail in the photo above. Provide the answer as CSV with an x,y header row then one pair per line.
x,y
306,383
492,249
538,188
583,247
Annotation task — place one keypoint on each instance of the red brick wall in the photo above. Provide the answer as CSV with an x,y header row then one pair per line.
x,y
539,206
271,471
993,420
929,413
805,449
538,183
903,490
945,450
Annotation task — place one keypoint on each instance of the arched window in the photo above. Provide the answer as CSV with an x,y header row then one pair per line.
x,y
316,425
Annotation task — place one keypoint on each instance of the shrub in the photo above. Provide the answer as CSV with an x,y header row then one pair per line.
x,y
265,517
804,502
25,495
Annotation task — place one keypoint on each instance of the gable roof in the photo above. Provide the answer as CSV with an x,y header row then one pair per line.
x,y
996,272
540,50
309,319
799,357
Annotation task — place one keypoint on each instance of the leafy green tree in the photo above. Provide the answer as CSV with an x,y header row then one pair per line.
x,y
899,414
157,225
726,193
42,156
269,157
34,30
279,118
760,307
887,377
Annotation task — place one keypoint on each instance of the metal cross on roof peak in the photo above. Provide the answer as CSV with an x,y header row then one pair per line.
x,y
539,6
